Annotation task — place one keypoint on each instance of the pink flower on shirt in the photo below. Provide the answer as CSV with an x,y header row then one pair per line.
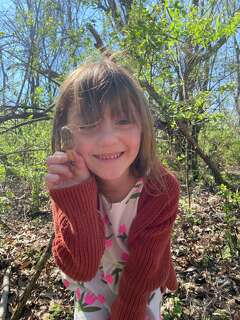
x,y
122,232
108,278
78,294
101,298
89,298
108,243
122,229
66,283
125,256
106,219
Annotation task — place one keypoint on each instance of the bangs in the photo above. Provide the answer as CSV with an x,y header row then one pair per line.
x,y
97,91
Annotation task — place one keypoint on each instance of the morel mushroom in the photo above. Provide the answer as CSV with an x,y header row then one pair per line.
x,y
67,143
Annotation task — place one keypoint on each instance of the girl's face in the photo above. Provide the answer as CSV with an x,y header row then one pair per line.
x,y
108,147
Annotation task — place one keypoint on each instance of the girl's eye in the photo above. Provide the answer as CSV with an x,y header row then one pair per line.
x,y
123,122
89,126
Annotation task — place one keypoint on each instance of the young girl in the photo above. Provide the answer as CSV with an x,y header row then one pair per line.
x,y
113,203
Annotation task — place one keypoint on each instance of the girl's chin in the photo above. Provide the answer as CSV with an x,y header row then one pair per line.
x,y
110,176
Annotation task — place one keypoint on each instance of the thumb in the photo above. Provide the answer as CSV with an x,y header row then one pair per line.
x,y
79,161
80,168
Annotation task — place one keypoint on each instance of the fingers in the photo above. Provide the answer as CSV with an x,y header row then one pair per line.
x,y
65,157
58,157
52,180
60,169
65,169
80,163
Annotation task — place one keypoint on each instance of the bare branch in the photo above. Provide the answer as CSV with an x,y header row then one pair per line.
x,y
99,43
25,123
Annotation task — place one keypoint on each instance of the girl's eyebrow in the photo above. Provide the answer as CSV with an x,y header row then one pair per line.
x,y
120,115
88,124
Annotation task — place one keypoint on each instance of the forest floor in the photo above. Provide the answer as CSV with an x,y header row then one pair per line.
x,y
208,272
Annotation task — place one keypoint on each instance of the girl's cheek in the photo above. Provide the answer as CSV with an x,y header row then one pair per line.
x,y
79,143
82,148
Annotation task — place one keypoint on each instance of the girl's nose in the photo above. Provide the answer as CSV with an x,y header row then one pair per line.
x,y
108,135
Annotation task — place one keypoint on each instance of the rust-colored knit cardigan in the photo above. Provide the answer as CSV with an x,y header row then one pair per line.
x,y
79,242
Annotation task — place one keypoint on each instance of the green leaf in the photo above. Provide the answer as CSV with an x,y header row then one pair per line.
x,y
90,309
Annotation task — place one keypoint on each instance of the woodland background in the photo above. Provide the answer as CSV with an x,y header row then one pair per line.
x,y
186,55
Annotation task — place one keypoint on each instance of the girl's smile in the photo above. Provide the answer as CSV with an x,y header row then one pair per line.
x,y
109,156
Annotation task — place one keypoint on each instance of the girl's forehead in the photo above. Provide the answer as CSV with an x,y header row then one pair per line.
x,y
107,111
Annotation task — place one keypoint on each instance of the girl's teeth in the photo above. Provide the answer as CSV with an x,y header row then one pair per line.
x,y
105,157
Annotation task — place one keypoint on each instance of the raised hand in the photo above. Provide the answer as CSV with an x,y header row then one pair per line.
x,y
66,168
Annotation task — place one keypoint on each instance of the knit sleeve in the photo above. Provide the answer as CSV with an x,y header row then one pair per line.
x,y
149,261
79,232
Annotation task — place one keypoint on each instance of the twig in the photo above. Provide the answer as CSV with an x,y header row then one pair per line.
x,y
21,151
40,265
25,123
5,292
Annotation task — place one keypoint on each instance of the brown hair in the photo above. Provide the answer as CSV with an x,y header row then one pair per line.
x,y
91,88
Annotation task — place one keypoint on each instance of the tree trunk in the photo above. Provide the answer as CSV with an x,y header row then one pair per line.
x,y
194,155
212,166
